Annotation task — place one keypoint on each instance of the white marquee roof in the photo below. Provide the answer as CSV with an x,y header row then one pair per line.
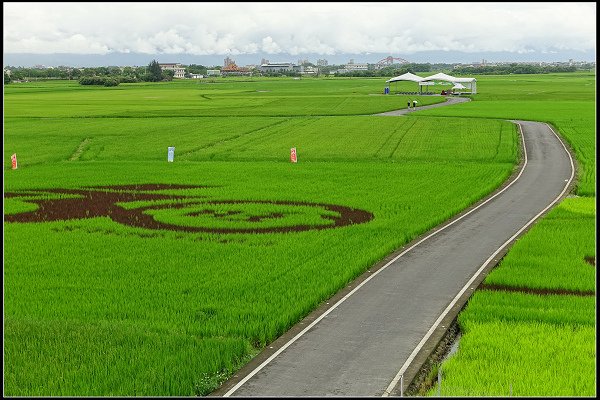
x,y
406,77
444,77
437,77
470,82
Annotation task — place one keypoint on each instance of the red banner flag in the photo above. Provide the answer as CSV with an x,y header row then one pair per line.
x,y
13,159
293,157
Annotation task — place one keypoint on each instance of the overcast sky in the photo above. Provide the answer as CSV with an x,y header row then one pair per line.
x,y
297,28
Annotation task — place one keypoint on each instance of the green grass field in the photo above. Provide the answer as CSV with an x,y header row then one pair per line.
x,y
222,98
539,343
565,101
128,310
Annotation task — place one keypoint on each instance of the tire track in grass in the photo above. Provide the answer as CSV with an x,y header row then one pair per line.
x,y
231,138
387,140
499,140
243,145
340,104
80,149
402,137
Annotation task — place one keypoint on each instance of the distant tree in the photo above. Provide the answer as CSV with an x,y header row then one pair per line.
x,y
154,72
62,73
75,73
138,72
7,78
167,75
17,75
102,71
99,80
111,81
196,69
128,79
114,71
512,68
128,71
420,67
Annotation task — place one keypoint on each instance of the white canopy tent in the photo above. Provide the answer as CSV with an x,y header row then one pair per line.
x,y
406,77
459,83
466,83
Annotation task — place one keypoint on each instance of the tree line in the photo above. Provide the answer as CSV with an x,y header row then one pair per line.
x,y
107,76
152,73
112,76
514,68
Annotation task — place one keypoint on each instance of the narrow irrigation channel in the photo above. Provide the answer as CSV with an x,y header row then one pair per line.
x,y
373,337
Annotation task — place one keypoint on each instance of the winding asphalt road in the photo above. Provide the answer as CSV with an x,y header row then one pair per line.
x,y
371,338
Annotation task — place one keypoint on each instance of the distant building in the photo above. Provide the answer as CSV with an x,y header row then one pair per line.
x,y
351,66
339,71
322,63
196,76
309,70
279,67
234,70
213,72
177,68
227,62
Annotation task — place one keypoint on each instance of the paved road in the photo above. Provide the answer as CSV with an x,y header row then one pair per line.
x,y
357,346
449,101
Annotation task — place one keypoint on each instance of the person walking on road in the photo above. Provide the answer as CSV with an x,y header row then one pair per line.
x,y
414,104
408,105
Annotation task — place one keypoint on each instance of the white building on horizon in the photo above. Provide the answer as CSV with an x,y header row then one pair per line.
x,y
279,67
177,68
351,66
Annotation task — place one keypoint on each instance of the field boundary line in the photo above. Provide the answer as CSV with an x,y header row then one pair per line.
x,y
339,302
416,350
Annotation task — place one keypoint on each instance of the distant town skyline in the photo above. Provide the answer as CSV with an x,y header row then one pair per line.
x,y
134,59
122,33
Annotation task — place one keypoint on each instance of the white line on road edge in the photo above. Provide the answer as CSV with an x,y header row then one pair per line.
x,y
394,382
316,321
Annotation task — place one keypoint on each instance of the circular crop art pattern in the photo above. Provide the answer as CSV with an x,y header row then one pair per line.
x,y
136,205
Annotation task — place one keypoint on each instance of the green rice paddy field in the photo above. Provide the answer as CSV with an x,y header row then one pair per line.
x,y
116,283
530,329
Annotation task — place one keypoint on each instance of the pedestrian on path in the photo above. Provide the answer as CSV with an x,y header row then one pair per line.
x,y
408,104
414,103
